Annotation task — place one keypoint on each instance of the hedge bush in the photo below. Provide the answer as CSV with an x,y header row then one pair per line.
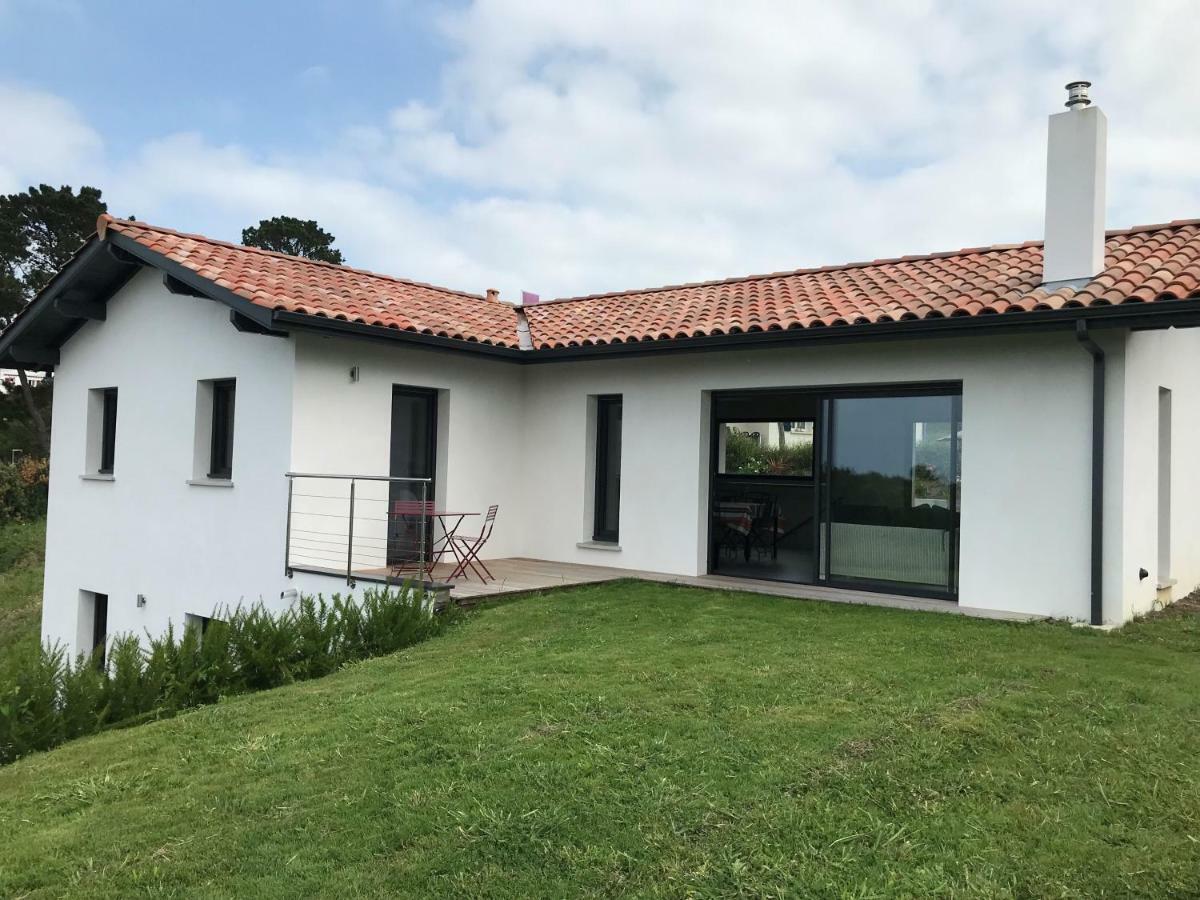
x,y
45,699
23,489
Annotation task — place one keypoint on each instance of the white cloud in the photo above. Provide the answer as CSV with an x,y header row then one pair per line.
x,y
45,139
584,147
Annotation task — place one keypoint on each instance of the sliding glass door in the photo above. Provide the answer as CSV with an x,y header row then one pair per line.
x,y
763,506
846,487
891,491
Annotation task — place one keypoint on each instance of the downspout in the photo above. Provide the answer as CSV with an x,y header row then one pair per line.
x,y
1097,353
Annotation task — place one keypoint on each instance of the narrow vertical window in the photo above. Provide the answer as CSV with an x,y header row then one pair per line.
x,y
1164,487
99,627
608,469
221,456
108,431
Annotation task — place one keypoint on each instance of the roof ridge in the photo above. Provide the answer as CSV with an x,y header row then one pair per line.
x,y
864,264
106,220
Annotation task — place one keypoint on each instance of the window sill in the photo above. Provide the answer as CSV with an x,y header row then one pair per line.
x,y
599,545
96,477
210,482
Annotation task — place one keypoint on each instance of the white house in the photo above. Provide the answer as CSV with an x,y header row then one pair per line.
x,y
997,428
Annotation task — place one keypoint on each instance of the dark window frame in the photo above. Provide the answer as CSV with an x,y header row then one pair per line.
x,y
600,533
99,628
108,431
224,403
822,448
399,528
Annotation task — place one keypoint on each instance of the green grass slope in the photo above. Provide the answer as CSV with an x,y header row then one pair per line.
x,y
22,554
654,741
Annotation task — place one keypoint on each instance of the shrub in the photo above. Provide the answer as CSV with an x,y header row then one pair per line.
x,y
45,700
23,489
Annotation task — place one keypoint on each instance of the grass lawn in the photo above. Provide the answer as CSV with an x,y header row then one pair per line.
x,y
22,553
651,740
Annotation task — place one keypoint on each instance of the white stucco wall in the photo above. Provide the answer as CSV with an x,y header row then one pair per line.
x,y
1154,360
1026,454
342,426
148,531
518,436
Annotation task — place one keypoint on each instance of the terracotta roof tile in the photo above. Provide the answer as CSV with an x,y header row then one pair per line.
x,y
1156,263
1148,264
278,281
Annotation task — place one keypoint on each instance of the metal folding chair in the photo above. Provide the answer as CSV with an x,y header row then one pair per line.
x,y
467,548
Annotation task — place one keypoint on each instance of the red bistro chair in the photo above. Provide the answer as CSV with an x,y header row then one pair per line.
x,y
404,550
467,548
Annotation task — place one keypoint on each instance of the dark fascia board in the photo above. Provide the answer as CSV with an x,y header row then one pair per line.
x,y
202,286
1137,316
44,303
292,321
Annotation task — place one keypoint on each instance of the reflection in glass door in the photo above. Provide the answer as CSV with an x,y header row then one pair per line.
x,y
412,455
891,491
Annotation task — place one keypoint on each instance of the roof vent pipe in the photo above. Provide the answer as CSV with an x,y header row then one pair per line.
x,y
1075,163
1077,94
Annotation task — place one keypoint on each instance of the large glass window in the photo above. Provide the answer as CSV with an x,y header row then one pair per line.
x,y
775,448
892,490
763,511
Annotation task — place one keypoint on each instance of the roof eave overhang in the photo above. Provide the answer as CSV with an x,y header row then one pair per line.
x,y
1133,315
32,340
275,321
293,321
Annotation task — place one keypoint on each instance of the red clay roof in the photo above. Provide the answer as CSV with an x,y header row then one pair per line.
x,y
278,281
1155,263
1147,264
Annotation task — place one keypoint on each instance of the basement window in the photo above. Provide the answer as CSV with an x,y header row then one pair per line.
x,y
92,634
200,623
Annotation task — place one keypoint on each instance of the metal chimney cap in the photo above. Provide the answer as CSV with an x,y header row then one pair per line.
x,y
1077,95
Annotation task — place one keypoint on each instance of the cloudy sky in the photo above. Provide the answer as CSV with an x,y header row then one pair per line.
x,y
574,147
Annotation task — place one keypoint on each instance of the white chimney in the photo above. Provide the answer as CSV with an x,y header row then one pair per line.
x,y
1075,163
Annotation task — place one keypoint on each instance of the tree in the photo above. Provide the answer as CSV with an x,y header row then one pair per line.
x,y
40,230
296,237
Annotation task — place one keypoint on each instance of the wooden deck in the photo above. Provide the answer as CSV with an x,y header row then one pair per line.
x,y
520,576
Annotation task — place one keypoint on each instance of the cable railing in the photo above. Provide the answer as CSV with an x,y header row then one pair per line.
x,y
369,527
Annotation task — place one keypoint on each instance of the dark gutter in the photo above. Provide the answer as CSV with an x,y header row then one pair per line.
x,y
1162,314
1159,314
1097,353
292,321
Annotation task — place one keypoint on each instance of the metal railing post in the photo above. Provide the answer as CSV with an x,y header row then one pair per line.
x,y
350,540
287,538
425,561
